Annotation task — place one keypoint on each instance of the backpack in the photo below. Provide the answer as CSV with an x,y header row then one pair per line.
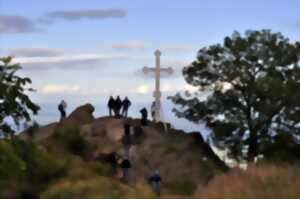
x,y
60,107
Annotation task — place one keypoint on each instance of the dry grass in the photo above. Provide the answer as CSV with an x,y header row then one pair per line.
x,y
265,182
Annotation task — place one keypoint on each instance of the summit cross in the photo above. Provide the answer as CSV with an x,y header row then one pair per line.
x,y
157,93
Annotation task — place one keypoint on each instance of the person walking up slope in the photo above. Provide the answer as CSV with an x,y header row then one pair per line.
x,y
155,181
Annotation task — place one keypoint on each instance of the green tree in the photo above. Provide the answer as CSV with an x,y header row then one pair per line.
x,y
14,102
253,81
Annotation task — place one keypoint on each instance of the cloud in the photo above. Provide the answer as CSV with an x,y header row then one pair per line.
x,y
10,24
179,48
77,61
71,90
95,14
129,45
34,52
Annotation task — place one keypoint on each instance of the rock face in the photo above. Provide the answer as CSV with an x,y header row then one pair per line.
x,y
80,116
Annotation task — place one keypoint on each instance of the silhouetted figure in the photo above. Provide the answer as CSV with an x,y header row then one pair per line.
x,y
113,160
155,181
144,113
111,105
62,109
125,105
126,140
125,165
153,111
117,107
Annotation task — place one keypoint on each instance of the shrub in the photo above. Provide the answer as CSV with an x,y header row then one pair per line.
x,y
32,129
71,141
25,170
185,188
254,183
95,188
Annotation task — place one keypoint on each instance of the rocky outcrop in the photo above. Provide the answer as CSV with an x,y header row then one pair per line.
x,y
80,116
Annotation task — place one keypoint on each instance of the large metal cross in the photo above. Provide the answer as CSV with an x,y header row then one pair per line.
x,y
157,93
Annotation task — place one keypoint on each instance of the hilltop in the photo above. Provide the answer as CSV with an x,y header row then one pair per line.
x,y
185,160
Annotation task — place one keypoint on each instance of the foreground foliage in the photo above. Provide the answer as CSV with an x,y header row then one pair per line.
x,y
15,104
255,183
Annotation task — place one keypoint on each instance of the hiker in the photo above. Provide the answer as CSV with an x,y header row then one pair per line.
x,y
62,109
144,113
117,107
126,103
155,181
111,105
126,140
125,165
153,111
113,160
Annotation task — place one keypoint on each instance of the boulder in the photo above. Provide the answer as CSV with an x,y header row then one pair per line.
x,y
80,116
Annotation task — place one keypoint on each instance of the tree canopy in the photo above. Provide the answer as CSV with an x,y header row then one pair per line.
x,y
253,82
15,104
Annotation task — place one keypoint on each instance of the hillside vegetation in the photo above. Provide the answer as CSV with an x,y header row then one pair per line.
x,y
70,160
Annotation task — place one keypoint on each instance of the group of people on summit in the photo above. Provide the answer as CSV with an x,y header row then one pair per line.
x,y
118,107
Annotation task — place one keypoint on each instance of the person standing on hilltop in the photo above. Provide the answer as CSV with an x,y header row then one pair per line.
x,y
126,103
153,111
62,109
118,106
144,119
111,105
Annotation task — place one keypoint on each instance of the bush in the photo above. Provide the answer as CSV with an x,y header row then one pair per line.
x,y
72,141
95,188
255,183
185,188
32,129
25,170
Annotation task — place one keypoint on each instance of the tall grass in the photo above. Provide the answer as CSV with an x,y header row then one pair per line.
x,y
264,182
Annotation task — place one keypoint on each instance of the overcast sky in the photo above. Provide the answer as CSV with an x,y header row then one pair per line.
x,y
85,50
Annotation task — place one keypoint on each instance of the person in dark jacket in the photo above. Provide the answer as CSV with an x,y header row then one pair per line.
x,y
118,106
144,119
125,166
126,140
111,105
126,103
62,109
155,181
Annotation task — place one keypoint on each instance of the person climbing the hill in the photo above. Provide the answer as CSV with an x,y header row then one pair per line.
x,y
113,160
125,165
118,106
62,109
111,105
126,140
144,113
126,103
153,110
155,181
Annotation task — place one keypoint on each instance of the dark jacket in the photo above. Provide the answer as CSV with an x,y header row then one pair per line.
x,y
154,178
111,103
125,164
118,103
126,103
